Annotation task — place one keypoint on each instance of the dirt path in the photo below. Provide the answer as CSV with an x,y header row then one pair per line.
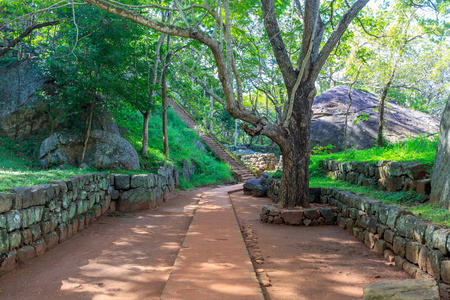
x,y
131,256
321,262
120,257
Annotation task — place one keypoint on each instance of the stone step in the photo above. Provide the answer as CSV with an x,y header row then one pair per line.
x,y
212,144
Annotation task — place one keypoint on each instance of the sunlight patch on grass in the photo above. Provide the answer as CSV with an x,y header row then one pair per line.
x,y
411,200
418,149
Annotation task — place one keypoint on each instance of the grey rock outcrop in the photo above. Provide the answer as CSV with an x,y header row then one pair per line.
x,y
105,121
440,182
18,83
105,150
328,120
255,187
22,113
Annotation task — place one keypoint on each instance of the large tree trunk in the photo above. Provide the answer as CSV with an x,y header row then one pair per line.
x,y
144,150
296,151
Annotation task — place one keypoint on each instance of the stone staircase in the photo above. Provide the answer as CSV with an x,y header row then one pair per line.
x,y
224,154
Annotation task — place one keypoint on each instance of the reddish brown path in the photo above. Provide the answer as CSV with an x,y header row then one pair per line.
x,y
127,256
213,262
310,263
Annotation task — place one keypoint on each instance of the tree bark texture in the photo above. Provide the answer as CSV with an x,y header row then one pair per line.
x,y
296,151
164,113
381,118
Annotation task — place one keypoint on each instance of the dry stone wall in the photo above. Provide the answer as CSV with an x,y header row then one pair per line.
x,y
321,215
261,161
388,175
420,249
35,219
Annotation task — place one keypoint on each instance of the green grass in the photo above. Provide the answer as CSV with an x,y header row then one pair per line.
x,y
182,146
19,167
419,149
411,201
19,157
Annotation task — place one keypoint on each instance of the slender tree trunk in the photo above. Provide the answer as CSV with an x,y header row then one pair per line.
x,y
49,154
144,150
235,132
88,131
346,118
381,119
381,109
164,113
211,112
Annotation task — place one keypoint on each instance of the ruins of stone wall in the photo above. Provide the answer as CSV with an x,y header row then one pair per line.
x,y
321,215
388,175
420,249
35,219
261,161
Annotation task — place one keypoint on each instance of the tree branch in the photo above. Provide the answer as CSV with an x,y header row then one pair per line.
x,y
11,44
252,131
278,47
190,72
337,34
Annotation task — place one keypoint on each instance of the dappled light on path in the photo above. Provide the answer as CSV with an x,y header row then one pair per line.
x,y
316,262
122,257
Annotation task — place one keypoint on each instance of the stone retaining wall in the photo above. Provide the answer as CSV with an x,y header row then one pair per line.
x,y
321,215
261,161
35,219
419,248
388,175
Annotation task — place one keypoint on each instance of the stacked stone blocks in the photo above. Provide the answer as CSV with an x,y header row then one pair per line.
x,y
388,175
35,219
261,161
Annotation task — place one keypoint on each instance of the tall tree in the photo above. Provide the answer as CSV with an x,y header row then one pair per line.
x,y
321,33
164,99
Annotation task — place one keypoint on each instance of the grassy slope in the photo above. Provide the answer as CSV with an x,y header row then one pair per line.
x,y
19,167
422,150
182,146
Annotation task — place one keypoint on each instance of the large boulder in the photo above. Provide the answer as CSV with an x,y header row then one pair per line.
x,y
256,188
104,150
440,182
328,120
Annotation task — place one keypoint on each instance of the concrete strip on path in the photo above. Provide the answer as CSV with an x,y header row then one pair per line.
x,y
213,262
